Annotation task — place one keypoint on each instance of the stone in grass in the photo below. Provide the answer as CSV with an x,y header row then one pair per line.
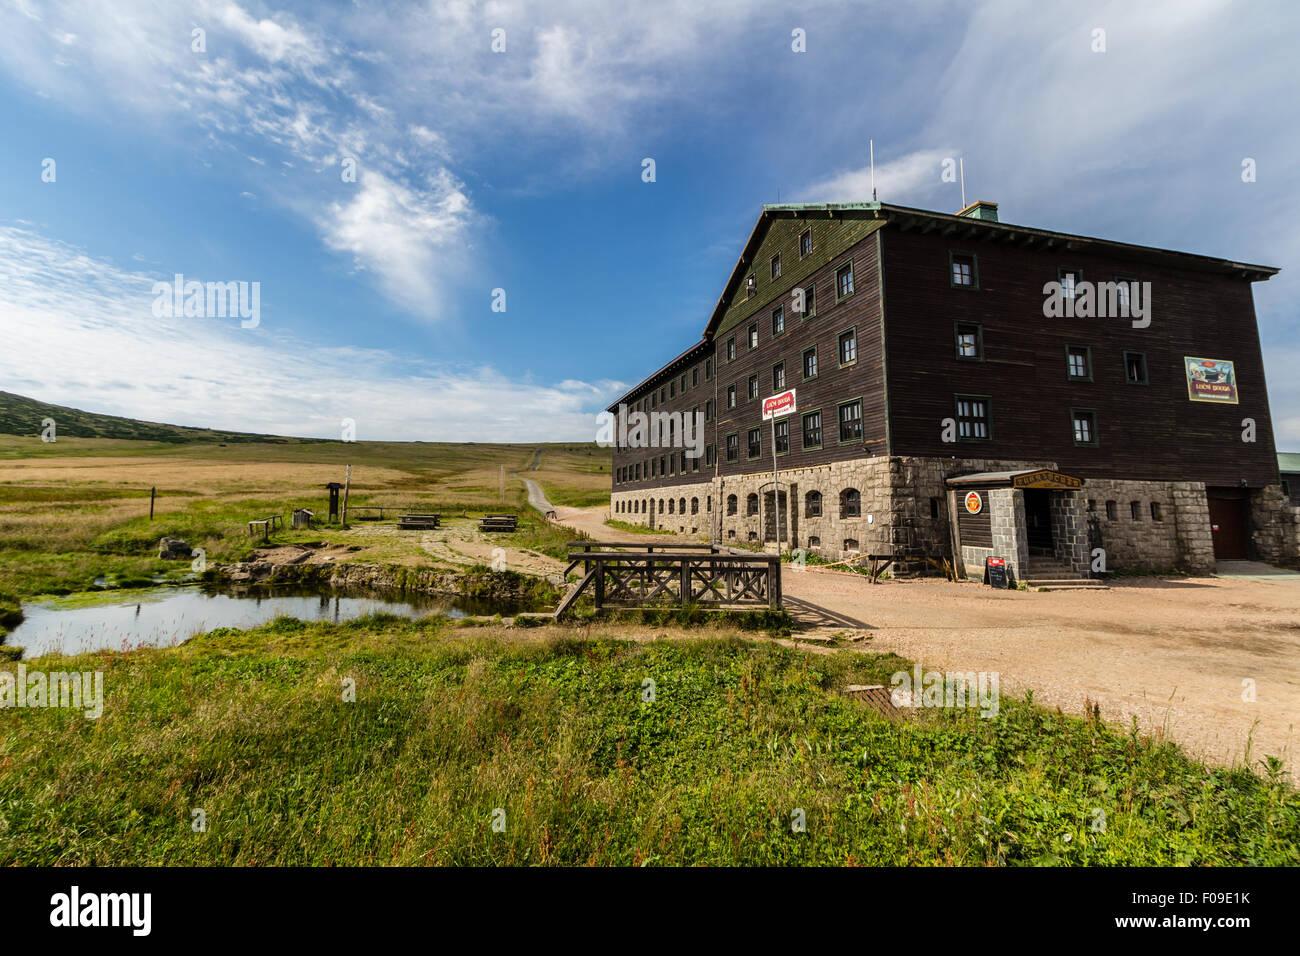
x,y
173,549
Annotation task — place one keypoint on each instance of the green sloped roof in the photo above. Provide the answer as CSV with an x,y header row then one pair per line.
x,y
780,234
1288,461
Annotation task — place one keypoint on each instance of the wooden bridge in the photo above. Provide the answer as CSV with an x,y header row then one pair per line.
x,y
636,574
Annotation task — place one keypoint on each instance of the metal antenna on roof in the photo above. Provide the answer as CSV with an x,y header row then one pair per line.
x,y
962,163
871,145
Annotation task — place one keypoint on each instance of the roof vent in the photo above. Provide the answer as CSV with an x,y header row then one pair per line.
x,y
981,210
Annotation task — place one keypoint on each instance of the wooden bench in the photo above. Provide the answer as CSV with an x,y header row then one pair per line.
x,y
419,521
378,512
499,523
266,526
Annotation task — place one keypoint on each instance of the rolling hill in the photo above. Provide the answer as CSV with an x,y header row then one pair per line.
x,y
20,415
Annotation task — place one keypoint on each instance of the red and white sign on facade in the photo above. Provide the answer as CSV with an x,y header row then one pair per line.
x,y
779,404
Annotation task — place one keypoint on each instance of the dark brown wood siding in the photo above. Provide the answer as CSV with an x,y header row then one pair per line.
x,y
833,385
1144,431
976,530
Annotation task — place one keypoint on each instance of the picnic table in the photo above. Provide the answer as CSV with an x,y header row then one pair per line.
x,y
417,521
499,523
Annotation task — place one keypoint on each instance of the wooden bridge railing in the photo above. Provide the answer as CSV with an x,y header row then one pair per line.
x,y
674,576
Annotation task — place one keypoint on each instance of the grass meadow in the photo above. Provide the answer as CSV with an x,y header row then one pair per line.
x,y
549,734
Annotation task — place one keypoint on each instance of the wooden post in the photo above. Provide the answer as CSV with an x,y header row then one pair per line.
x,y
774,583
152,492
347,486
600,584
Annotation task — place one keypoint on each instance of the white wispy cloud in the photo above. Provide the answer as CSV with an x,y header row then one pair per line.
x,y
80,331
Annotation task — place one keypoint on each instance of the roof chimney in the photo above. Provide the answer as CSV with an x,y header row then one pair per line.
x,y
981,210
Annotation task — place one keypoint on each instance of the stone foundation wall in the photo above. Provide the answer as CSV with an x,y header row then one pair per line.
x,y
1070,531
1272,525
664,508
903,504
1173,535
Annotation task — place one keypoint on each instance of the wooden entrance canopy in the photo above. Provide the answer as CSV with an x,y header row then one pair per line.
x,y
1038,478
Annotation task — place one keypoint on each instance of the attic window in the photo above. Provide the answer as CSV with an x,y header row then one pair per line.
x,y
805,242
775,265
751,288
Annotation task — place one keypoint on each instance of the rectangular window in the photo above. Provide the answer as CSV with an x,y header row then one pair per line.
x,y
709,452
848,347
782,435
851,421
708,410
682,387
778,376
672,464
778,321
731,349
731,395
970,341
775,265
1078,362
1085,426
809,301
753,386
1135,368
973,419
662,397
844,281
1069,279
733,446
755,443
963,274
695,377
672,389
805,242
810,363
751,287
812,430
708,370
654,399
753,335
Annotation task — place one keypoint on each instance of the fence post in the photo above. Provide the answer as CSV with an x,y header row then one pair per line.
x,y
600,584
774,582
685,586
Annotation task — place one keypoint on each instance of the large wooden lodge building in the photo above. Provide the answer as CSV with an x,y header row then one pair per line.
x,y
926,370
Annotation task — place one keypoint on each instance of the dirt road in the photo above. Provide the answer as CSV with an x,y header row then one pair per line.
x,y
1179,654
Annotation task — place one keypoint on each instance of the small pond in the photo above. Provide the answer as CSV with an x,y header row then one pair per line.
x,y
165,617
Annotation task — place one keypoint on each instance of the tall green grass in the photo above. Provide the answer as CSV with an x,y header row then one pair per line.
x,y
451,725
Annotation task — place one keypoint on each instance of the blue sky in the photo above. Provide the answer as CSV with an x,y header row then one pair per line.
x,y
521,170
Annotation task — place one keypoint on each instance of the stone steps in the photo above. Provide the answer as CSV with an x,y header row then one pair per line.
x,y
1047,574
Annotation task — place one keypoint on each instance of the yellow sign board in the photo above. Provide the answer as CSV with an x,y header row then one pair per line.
x,y
1045,479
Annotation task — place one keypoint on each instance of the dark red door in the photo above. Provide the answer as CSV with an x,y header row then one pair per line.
x,y
1228,528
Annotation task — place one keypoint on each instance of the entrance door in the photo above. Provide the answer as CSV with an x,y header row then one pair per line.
x,y
1227,525
1038,520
